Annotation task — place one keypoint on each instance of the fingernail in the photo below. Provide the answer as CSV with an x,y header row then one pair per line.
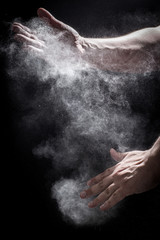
x,y
83,194
91,205
102,206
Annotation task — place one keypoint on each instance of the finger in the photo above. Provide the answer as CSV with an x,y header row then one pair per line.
x,y
44,14
117,156
97,188
18,29
103,196
22,27
33,49
116,197
29,41
100,176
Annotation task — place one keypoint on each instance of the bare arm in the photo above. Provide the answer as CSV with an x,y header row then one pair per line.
x,y
138,51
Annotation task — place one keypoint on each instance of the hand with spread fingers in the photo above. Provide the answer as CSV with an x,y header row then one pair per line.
x,y
135,172
25,35
125,53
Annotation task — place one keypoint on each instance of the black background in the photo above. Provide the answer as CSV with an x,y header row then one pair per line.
x,y
28,208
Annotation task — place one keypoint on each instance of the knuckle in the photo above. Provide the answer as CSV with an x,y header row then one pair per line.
x,y
96,179
96,201
93,181
118,174
94,189
114,195
108,170
101,184
102,175
89,192
114,176
107,191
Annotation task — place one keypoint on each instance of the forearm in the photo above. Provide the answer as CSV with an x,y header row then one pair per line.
x,y
134,52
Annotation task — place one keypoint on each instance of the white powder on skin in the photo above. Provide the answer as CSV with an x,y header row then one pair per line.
x,y
98,113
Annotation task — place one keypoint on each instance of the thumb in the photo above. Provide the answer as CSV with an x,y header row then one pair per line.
x,y
117,156
44,14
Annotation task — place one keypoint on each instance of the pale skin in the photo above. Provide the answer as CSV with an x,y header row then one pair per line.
x,y
136,171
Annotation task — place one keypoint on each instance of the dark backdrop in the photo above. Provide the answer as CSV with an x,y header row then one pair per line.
x,y
27,207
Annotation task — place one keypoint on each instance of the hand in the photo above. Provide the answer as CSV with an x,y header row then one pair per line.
x,y
25,35
136,172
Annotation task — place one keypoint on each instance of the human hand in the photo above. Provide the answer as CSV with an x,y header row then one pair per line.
x,y
69,36
136,172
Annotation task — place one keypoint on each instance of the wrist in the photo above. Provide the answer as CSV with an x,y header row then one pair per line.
x,y
96,43
154,155
154,160
155,149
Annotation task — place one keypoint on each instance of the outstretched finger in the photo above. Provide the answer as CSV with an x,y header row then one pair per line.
x,y
18,29
33,49
97,188
22,27
103,196
116,197
21,30
44,14
29,41
100,176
